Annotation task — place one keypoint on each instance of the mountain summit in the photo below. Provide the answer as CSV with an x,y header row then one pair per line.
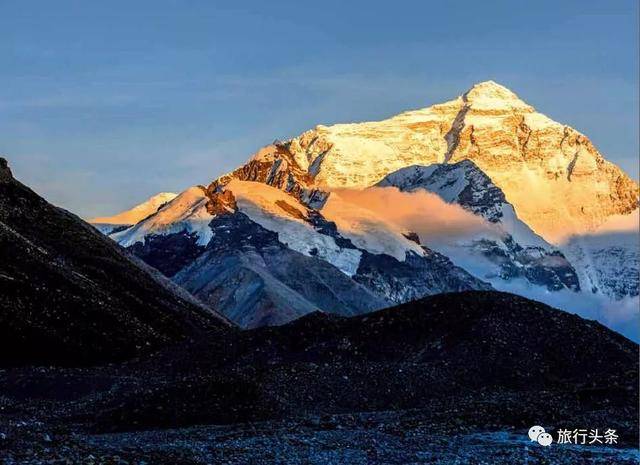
x,y
491,95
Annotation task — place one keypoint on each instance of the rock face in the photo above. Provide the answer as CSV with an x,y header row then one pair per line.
x,y
70,296
275,165
5,171
462,183
521,150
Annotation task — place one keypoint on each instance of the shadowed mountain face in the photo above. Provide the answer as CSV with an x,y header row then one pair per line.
x,y
254,280
441,367
476,358
70,296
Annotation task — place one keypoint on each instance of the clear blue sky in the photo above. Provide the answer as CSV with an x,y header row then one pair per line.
x,y
104,103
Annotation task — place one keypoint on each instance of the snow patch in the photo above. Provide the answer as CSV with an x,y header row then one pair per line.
x,y
186,212
277,211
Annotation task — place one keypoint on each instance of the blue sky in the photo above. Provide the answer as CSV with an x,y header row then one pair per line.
x,y
103,104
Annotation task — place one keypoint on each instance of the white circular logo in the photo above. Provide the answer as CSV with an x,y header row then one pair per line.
x,y
545,439
534,432
538,434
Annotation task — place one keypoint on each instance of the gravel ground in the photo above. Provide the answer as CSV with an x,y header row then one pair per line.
x,y
367,439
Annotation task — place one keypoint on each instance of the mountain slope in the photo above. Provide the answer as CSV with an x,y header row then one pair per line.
x,y
483,366
186,212
69,295
262,258
107,224
256,280
473,358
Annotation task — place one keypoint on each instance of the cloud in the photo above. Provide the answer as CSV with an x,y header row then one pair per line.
x,y
421,212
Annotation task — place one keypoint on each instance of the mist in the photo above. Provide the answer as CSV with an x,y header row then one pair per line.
x,y
424,213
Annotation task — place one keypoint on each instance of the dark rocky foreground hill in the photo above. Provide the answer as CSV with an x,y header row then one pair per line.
x,y
468,345
70,296
420,379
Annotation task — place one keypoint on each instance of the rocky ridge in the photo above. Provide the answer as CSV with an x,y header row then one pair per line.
x,y
417,377
71,296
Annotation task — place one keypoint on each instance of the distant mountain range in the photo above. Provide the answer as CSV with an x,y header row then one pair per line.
x,y
479,192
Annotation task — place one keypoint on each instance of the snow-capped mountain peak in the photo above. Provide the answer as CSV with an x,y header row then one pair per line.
x,y
294,228
134,214
521,150
491,95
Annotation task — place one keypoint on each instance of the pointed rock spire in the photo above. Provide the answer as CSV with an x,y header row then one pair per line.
x,y
5,171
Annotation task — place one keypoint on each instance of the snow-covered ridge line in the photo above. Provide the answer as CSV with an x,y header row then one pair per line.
x,y
186,212
279,212
136,213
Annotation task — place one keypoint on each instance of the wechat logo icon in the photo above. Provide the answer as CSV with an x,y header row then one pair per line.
x,y
539,435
